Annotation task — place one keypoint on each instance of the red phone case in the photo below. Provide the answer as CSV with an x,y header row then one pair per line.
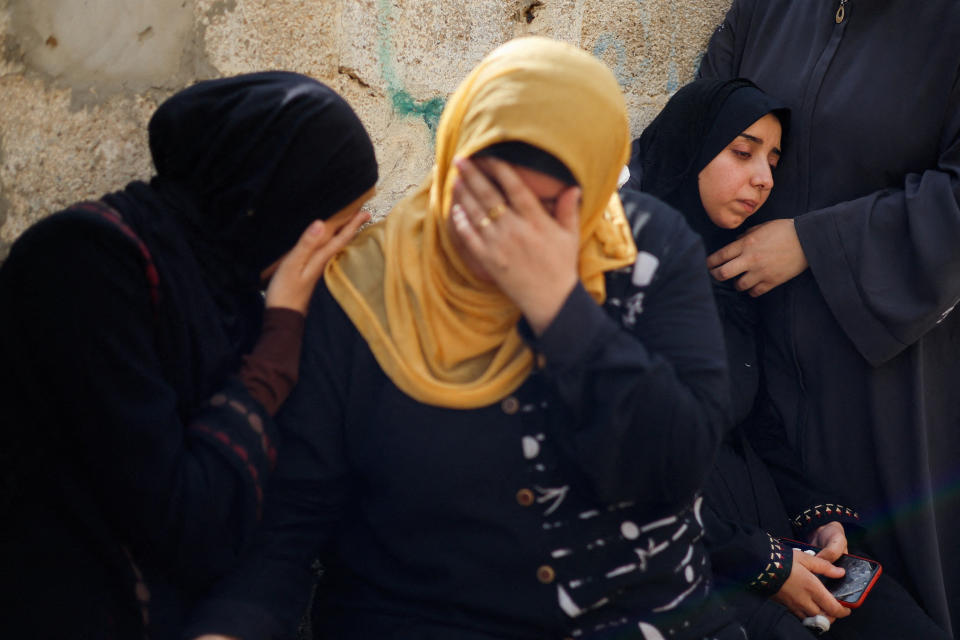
x,y
866,590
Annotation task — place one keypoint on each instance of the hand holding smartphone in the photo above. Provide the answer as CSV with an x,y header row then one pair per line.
x,y
861,574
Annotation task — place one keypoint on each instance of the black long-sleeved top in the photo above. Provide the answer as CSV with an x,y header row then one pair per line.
x,y
135,477
569,507
863,352
748,499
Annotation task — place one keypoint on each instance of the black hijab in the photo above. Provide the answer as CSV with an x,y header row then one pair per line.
x,y
244,164
696,124
529,156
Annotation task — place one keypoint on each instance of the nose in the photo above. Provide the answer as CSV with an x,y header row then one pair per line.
x,y
762,177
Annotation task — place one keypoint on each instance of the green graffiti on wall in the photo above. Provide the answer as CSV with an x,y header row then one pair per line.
x,y
403,103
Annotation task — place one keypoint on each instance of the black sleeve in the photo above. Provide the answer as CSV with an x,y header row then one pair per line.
x,y
745,554
808,506
888,264
267,594
721,59
185,487
645,394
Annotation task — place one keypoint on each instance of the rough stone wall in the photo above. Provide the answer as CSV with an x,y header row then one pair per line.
x,y
79,79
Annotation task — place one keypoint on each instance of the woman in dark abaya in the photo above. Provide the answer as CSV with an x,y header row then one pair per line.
x,y
859,252
712,153
143,366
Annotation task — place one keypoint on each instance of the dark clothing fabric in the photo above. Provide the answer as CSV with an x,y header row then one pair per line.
x,y
137,481
862,350
138,456
570,505
889,612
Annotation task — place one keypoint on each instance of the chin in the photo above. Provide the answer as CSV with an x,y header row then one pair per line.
x,y
731,224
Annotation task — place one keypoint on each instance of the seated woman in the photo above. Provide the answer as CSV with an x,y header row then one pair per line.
x,y
711,153
505,408
142,365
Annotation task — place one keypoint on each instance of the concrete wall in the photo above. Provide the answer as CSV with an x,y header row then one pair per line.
x,y
80,78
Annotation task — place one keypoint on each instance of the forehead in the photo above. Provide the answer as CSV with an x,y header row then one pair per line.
x,y
767,128
543,185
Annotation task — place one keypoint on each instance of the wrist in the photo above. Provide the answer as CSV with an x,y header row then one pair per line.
x,y
541,308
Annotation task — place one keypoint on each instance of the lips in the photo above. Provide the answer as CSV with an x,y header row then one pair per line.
x,y
749,205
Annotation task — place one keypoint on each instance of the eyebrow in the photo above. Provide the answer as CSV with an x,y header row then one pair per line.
x,y
751,138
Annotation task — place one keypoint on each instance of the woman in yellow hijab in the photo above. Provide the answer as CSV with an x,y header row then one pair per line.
x,y
509,395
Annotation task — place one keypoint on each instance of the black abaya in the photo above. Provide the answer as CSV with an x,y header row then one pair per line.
x,y
863,352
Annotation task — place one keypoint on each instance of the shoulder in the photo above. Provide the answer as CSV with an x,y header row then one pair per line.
x,y
669,257
329,330
657,227
75,230
76,247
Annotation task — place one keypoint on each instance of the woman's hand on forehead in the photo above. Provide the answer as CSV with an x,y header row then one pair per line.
x,y
500,222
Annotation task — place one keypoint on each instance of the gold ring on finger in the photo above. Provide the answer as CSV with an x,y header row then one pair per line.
x,y
484,221
496,211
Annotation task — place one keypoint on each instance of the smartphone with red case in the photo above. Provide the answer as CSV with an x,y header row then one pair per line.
x,y
861,574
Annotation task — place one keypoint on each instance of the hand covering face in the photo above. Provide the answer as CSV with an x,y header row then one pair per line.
x,y
441,335
244,165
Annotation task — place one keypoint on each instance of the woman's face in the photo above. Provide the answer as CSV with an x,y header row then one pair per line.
x,y
738,180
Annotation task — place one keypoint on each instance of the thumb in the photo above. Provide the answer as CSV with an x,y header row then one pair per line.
x,y
568,209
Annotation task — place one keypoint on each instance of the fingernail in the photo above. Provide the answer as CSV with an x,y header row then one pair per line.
x,y
458,211
316,228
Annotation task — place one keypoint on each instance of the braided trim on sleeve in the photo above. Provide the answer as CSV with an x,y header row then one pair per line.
x,y
254,422
821,514
777,570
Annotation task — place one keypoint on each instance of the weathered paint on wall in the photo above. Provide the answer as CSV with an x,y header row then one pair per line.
x,y
80,78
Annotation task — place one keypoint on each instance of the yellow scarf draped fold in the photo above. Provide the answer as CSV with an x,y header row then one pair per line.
x,y
442,336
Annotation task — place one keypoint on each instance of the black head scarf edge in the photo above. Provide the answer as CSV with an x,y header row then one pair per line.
x,y
260,155
244,164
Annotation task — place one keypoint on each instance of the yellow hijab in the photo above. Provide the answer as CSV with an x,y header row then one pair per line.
x,y
442,336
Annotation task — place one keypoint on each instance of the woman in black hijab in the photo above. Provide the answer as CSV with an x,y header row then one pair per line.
x,y
704,125
711,153
142,365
